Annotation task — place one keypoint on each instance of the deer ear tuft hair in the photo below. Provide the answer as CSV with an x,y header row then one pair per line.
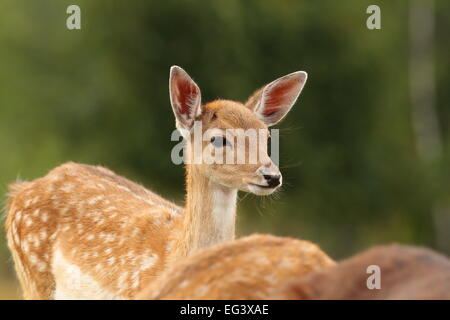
x,y
273,101
185,98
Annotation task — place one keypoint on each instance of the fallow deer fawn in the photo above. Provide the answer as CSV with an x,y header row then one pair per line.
x,y
248,268
83,232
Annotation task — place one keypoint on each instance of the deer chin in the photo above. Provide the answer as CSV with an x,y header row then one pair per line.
x,y
259,189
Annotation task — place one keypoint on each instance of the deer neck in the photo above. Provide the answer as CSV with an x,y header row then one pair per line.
x,y
210,214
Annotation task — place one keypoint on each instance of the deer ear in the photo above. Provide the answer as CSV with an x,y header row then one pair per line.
x,y
273,101
185,98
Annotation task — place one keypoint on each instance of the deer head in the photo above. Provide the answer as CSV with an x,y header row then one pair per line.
x,y
232,147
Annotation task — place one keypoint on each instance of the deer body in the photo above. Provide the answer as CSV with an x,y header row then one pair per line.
x,y
248,268
406,273
76,242
83,232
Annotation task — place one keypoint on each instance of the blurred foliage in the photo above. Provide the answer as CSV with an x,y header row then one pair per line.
x,y
348,151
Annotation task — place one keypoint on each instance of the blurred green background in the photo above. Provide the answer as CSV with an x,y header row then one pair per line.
x,y
364,153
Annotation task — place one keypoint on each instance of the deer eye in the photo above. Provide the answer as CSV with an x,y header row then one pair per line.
x,y
219,142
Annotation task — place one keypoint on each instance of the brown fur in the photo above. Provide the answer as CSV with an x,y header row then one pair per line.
x,y
83,232
79,202
406,273
45,212
248,268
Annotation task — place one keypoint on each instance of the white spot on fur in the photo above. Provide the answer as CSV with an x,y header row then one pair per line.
x,y
121,280
43,235
94,200
25,246
80,205
90,237
14,227
148,261
286,263
135,232
34,200
80,228
135,279
64,210
44,217
53,236
98,268
184,284
100,186
270,279
202,290
72,283
113,215
42,266
110,238
111,260
18,216
33,258
68,187
262,260
28,221
28,202
169,245
36,241
123,188
15,235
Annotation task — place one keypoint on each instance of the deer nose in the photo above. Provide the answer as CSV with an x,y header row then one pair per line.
x,y
273,180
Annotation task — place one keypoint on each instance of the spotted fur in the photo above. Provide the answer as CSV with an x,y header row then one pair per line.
x,y
84,232
248,268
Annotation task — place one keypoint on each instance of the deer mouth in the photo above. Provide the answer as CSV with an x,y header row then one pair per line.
x,y
261,186
260,189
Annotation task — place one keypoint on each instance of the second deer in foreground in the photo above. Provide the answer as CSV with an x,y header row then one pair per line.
x,y
250,268
83,232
